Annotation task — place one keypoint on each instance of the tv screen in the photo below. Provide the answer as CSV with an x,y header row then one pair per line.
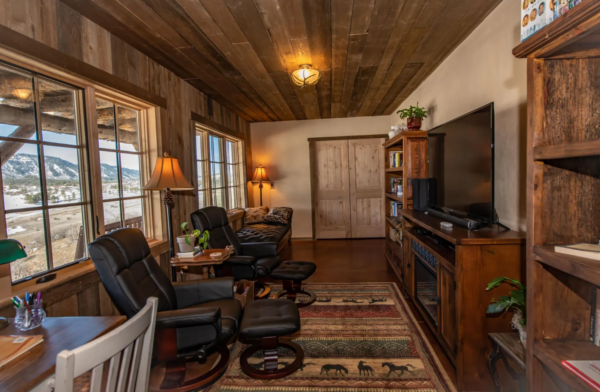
x,y
461,160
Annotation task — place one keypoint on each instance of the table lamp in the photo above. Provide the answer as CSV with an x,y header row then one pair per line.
x,y
167,176
260,176
10,250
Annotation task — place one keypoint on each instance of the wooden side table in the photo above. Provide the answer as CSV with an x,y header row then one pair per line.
x,y
203,261
505,345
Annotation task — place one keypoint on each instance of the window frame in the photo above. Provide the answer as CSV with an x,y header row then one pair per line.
x,y
206,132
149,122
117,151
84,180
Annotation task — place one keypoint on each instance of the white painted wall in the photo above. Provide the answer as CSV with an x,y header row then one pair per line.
x,y
282,147
482,70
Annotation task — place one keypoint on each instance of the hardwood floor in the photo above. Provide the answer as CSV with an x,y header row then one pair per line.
x,y
341,261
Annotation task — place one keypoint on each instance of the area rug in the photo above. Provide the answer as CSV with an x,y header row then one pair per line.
x,y
356,337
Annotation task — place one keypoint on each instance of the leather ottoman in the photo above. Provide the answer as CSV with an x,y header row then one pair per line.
x,y
292,273
268,320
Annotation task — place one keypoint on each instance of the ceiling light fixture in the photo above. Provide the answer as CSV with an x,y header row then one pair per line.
x,y
305,76
22,93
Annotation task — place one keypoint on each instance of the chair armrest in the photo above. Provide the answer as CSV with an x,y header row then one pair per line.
x,y
259,249
200,291
190,317
241,260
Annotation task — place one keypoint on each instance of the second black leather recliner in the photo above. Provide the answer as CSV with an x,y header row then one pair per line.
x,y
251,260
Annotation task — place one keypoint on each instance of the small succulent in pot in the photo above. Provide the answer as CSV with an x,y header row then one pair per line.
x,y
516,301
188,240
414,116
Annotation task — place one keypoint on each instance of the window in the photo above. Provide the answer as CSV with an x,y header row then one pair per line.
x,y
120,155
220,170
45,204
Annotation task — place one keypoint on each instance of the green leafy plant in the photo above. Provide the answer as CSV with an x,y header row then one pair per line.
x,y
413,112
202,238
515,300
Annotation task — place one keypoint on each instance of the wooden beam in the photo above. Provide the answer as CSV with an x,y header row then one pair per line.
x,y
118,19
408,73
221,128
462,30
317,15
415,34
341,16
356,47
31,48
24,118
261,94
10,148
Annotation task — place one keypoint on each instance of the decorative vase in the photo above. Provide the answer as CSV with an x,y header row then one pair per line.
x,y
414,123
515,323
184,247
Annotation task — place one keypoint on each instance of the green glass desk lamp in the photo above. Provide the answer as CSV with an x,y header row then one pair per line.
x,y
10,250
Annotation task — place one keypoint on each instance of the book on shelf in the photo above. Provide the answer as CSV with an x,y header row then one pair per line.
x,y
396,187
590,251
13,346
394,208
588,371
395,159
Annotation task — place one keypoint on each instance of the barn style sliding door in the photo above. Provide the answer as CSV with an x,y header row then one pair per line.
x,y
347,182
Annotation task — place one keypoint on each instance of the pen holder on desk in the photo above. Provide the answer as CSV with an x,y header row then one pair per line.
x,y
26,319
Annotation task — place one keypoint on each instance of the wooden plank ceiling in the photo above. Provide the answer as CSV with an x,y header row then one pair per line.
x,y
371,53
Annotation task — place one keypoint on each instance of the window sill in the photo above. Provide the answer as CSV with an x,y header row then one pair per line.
x,y
66,274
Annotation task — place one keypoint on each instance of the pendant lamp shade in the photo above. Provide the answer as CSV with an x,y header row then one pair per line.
x,y
167,175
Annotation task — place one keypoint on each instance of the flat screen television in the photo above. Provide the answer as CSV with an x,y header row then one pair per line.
x,y
461,160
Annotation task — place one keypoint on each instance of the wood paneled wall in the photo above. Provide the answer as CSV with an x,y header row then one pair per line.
x,y
58,26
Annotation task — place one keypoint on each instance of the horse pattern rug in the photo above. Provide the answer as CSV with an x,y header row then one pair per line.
x,y
358,337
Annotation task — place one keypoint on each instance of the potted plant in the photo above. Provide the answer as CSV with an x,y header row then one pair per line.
x,y
415,116
188,240
515,301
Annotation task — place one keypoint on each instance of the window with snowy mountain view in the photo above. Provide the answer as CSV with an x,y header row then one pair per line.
x,y
41,151
120,166
46,187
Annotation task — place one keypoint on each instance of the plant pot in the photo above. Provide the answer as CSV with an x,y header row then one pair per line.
x,y
183,245
515,323
414,123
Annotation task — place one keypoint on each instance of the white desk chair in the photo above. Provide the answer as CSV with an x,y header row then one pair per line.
x,y
129,349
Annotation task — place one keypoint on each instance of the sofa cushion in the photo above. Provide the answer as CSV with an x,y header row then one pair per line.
x,y
280,215
262,233
255,215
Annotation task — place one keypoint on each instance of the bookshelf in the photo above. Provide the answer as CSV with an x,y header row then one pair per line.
x,y
412,146
563,195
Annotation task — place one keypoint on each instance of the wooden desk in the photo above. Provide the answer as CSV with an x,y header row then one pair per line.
x,y
60,333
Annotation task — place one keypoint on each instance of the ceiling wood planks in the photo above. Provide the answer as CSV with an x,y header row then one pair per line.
x,y
371,53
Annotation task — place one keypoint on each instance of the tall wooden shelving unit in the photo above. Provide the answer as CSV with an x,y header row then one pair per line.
x,y
563,194
413,145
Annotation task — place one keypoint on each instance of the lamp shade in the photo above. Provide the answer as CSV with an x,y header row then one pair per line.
x,y
11,250
260,174
167,175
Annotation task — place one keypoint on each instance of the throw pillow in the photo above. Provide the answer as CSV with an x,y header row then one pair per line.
x,y
279,215
255,215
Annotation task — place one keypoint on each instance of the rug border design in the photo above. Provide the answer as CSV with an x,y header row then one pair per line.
x,y
440,372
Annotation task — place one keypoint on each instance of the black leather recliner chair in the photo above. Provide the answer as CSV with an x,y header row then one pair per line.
x,y
202,316
251,260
